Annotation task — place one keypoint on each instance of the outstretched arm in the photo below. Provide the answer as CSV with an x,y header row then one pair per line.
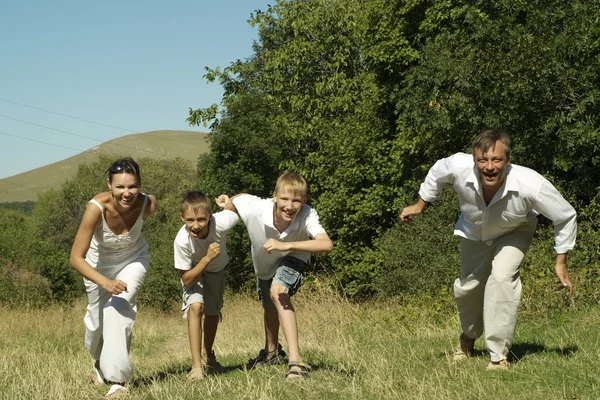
x,y
226,203
321,244
413,210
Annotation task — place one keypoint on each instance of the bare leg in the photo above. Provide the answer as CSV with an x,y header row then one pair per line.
x,y
211,323
271,320
287,318
195,336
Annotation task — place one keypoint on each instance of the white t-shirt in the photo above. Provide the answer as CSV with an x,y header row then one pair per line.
x,y
523,195
189,251
257,214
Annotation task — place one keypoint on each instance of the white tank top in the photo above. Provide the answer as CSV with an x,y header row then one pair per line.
x,y
108,248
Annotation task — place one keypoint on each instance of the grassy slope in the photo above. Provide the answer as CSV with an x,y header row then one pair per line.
x,y
157,144
366,351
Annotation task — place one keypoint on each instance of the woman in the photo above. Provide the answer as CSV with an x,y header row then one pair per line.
x,y
112,255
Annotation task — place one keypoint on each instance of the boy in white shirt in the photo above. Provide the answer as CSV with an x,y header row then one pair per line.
x,y
201,256
284,231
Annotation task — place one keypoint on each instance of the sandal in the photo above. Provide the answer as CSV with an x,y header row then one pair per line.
x,y
297,370
266,358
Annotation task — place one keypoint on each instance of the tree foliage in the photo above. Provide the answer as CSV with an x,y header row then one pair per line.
x,y
361,97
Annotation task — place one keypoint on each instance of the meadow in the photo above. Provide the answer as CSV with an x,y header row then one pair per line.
x,y
373,350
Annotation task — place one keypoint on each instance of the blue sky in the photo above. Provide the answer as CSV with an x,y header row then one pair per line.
x,y
137,66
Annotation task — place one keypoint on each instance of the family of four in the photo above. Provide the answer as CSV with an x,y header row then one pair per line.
x,y
499,203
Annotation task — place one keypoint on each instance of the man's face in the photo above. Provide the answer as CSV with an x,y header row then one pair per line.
x,y
287,205
196,222
492,166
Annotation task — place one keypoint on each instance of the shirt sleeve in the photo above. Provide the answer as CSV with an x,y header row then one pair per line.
x,y
313,226
552,204
183,256
438,176
226,220
243,205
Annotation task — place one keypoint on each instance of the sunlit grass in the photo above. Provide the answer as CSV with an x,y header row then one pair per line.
x,y
367,351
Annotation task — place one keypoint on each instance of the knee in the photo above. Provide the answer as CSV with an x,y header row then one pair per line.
x,y
196,309
278,294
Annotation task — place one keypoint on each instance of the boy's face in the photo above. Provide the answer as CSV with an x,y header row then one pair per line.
x,y
287,205
196,222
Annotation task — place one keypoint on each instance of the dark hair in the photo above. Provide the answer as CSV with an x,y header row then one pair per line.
x,y
124,166
488,138
196,201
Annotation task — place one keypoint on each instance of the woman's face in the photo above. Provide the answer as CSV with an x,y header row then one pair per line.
x,y
124,188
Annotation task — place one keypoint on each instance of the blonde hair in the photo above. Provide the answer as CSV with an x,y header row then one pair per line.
x,y
195,201
293,182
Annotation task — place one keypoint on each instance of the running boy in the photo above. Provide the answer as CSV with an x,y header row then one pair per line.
x,y
201,257
283,230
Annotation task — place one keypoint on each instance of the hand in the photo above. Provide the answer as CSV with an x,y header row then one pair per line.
x,y
273,244
222,200
410,211
213,251
115,286
563,274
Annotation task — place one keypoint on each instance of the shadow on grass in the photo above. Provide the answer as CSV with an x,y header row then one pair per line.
x,y
183,368
170,371
520,350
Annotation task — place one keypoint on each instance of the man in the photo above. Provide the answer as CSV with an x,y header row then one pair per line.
x,y
499,203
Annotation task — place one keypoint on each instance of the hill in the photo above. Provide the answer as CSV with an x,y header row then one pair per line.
x,y
157,144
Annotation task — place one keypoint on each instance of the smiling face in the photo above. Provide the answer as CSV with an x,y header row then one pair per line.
x,y
287,204
124,188
196,222
491,166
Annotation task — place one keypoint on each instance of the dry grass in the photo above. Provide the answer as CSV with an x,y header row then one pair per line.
x,y
367,351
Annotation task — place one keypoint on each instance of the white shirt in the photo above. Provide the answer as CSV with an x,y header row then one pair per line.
x,y
524,194
189,251
257,214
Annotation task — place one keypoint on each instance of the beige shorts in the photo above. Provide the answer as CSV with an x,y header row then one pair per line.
x,y
209,290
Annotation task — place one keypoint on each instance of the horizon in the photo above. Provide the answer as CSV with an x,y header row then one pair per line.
x,y
83,74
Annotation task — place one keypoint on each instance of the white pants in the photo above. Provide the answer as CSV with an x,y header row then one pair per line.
x,y
109,319
488,291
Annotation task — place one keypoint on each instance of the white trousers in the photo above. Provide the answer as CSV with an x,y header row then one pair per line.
x,y
109,319
488,291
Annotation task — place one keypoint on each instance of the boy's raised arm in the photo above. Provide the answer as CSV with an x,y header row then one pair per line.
x,y
226,203
321,244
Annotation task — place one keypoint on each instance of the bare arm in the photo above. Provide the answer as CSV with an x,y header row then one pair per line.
x,y
191,276
413,210
226,202
563,273
151,208
81,245
321,244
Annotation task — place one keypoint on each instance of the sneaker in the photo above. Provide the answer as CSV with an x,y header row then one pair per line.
x,y
266,358
501,365
116,390
465,347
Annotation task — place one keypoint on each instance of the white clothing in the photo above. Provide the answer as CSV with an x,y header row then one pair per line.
x,y
189,251
110,318
488,291
524,194
257,215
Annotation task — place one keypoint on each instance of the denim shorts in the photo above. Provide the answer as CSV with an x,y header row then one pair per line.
x,y
288,274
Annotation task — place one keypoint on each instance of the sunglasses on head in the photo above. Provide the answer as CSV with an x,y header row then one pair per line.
x,y
118,167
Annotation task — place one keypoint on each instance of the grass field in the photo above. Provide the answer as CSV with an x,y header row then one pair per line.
x,y
156,144
367,351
